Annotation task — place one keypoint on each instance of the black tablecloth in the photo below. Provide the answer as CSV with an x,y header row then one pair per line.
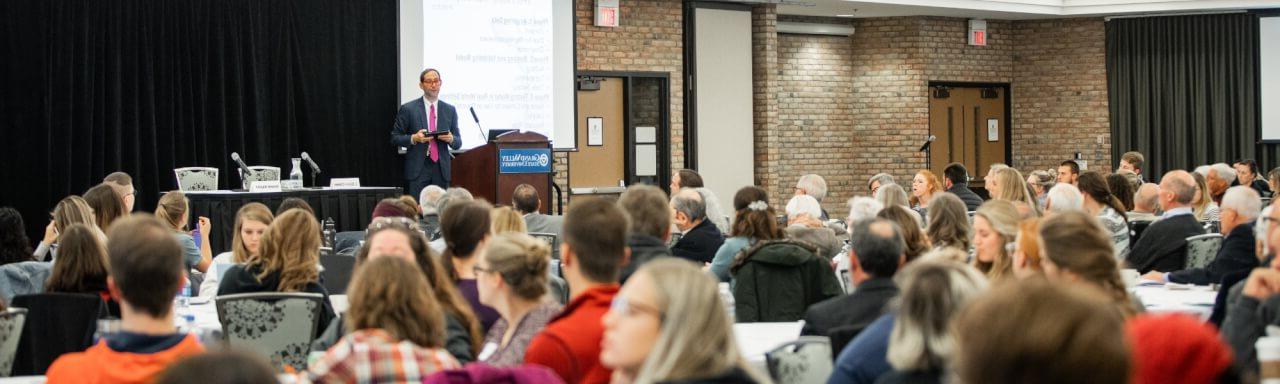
x,y
350,209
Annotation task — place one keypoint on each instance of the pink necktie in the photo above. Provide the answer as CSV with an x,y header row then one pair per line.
x,y
431,124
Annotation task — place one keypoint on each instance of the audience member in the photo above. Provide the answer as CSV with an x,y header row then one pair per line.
x,y
1033,331
294,202
427,200
1132,161
1026,253
753,223
1121,189
1010,186
1145,203
1040,182
410,205
1064,197
147,270
666,325
123,184
1163,245
922,342
879,180
952,284
14,244
251,221
106,203
948,223
815,186
714,213
1074,248
451,196
1247,175
924,186
876,254
995,225
594,250
989,181
912,234
1240,207
287,261
803,225
685,178
1068,171
465,226
1099,202
505,219
347,241
956,181
70,210
525,199
173,209
701,238
1178,349
1205,208
1221,176
888,196
512,278
396,329
1258,305
81,266
220,367
1273,179
650,219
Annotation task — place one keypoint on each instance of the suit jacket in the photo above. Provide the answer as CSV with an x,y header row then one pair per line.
x,y
537,222
971,200
1163,245
861,307
412,118
700,243
1235,255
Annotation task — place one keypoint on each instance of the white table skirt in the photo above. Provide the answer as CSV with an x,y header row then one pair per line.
x,y
1191,300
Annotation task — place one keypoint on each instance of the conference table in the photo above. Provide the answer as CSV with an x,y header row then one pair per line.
x,y
351,208
1193,300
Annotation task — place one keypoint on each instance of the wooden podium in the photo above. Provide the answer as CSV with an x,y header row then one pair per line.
x,y
489,175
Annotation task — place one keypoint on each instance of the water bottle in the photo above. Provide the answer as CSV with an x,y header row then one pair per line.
x,y
183,310
296,173
726,295
329,233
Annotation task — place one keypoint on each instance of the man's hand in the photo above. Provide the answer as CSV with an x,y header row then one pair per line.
x,y
1262,283
447,137
1154,276
420,137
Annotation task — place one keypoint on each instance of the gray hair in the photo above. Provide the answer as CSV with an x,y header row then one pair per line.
x,y
1203,170
863,208
813,185
996,167
1244,200
883,178
1065,197
451,196
891,195
689,202
804,204
1042,178
933,290
1224,172
1148,196
428,197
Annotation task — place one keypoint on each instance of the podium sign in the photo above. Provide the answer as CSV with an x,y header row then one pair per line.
x,y
524,160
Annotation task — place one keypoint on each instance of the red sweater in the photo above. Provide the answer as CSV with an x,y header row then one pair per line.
x,y
570,344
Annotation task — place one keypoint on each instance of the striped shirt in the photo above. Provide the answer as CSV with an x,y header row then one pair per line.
x,y
373,356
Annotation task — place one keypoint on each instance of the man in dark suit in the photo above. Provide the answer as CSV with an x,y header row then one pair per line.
x,y
1240,207
1163,245
526,201
955,179
428,159
701,238
877,250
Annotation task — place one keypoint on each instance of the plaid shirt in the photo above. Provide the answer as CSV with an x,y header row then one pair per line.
x,y
372,356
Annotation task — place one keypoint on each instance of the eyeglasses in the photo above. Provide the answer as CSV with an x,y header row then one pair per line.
x,y
433,81
625,308
476,269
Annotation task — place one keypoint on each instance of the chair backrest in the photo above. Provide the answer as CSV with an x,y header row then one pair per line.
x,y
558,288
260,173
196,178
1211,226
1201,249
841,336
276,325
1136,227
552,240
806,360
56,323
337,271
11,322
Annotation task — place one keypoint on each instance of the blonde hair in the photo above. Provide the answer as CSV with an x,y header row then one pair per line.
x,y
290,246
170,209
1201,207
81,266
390,293
73,210
1003,218
932,186
521,261
1013,187
932,292
697,335
249,212
505,219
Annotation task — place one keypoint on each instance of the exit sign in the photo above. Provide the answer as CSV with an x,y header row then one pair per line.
x,y
606,13
978,32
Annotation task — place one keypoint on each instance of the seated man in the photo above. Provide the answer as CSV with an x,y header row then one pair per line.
x,y
1068,172
123,184
1163,246
646,207
815,186
427,199
147,272
1220,177
803,225
526,201
1132,161
955,179
877,252
701,238
1145,202
1257,305
593,251
1240,207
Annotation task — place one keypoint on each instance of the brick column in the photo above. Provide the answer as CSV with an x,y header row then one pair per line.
x,y
764,69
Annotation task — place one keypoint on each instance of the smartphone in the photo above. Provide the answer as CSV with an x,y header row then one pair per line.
x,y
196,235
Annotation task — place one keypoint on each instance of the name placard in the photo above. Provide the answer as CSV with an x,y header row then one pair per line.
x,y
345,182
265,186
536,160
291,184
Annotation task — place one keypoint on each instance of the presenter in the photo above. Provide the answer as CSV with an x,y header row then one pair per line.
x,y
429,128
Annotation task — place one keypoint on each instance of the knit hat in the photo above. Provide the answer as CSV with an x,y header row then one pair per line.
x,y
1171,349
388,209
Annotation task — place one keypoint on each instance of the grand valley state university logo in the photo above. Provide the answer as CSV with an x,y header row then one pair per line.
x,y
524,160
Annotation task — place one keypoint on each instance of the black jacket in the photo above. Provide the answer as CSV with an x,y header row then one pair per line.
x,y
911,377
1163,246
241,279
777,280
700,243
644,248
863,306
1236,254
971,200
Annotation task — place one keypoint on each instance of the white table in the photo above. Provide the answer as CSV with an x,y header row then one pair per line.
x,y
206,314
1191,300
755,339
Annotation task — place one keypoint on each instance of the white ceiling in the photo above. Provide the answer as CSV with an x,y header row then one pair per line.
x,y
1011,9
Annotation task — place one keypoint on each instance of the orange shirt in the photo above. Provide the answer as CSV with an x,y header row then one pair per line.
x,y
102,365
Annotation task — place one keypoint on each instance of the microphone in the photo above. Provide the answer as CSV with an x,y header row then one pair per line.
x,y
314,168
477,119
244,169
928,142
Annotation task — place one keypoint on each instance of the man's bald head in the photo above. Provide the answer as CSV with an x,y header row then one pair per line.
x,y
1147,198
689,202
1177,188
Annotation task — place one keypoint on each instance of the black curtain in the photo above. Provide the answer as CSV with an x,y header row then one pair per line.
x,y
95,86
1184,90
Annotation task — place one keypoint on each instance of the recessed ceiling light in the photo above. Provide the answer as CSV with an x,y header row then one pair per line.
x,y
844,15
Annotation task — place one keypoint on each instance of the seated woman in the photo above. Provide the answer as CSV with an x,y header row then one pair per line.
x,y
920,342
81,266
107,205
287,262
172,209
1074,248
465,226
14,245
754,222
995,225
948,223
1026,253
667,324
251,221
70,210
1099,201
512,278
396,329
506,220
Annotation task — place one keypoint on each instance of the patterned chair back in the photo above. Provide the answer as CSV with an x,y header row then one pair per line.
x,y
806,360
11,322
260,173
196,178
1201,249
552,240
277,325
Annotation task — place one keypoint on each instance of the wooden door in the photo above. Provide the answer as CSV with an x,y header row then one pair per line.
x,y
971,128
603,165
